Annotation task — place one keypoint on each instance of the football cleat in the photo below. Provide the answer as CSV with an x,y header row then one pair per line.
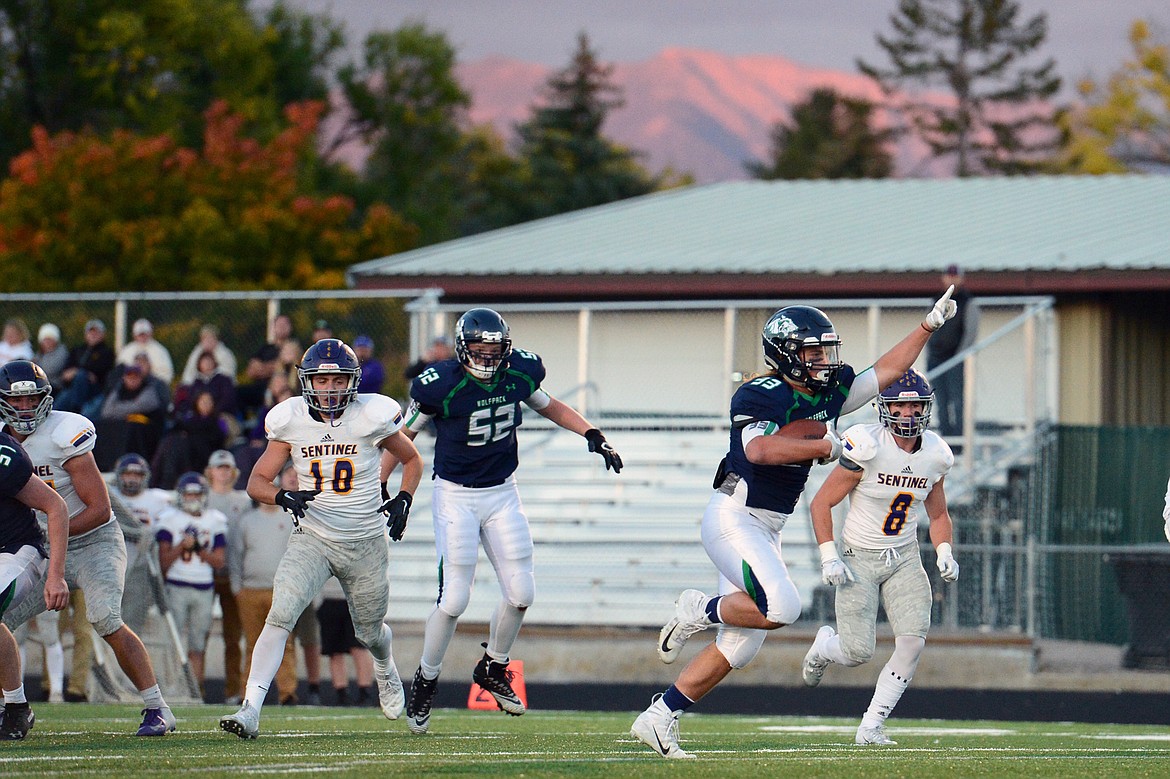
x,y
815,661
16,721
657,728
391,696
495,678
157,722
689,618
418,705
245,723
875,735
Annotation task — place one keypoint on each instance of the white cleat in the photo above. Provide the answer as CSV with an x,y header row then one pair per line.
x,y
875,735
245,723
689,618
815,661
390,693
658,729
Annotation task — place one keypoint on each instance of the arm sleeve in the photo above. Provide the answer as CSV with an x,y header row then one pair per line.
x,y
864,389
538,400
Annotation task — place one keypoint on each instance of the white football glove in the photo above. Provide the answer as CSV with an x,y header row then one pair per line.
x,y
944,309
835,442
947,567
834,571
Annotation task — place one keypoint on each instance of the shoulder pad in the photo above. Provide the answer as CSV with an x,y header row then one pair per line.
x,y
941,448
432,385
277,419
382,412
73,434
859,444
528,363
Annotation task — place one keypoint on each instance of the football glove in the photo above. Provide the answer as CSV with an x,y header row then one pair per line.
x,y
296,501
834,571
598,444
947,567
835,442
396,509
944,309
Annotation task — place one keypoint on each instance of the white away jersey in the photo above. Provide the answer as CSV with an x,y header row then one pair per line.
x,y
210,528
340,458
61,437
885,506
148,505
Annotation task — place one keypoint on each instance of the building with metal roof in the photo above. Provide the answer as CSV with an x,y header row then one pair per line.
x,y
1020,235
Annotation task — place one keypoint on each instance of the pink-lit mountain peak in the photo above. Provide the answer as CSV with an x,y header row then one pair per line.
x,y
693,110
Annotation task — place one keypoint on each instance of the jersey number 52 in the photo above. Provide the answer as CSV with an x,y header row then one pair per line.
x,y
490,424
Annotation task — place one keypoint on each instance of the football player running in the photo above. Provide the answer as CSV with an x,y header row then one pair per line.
x,y
891,471
474,401
336,439
756,489
60,445
23,566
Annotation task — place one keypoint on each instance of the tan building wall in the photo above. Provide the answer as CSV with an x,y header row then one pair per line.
x,y
1081,327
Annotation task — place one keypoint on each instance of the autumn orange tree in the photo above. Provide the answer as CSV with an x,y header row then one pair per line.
x,y
81,212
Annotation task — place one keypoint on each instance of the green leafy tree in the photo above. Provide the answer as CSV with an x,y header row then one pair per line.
x,y
409,109
82,212
829,137
992,115
1124,124
303,48
571,163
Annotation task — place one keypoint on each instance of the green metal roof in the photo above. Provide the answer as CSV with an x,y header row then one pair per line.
x,y
1065,223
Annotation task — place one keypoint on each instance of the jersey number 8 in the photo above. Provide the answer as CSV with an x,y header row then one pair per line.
x,y
899,508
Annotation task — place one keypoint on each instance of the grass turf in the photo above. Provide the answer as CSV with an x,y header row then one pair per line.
x,y
98,740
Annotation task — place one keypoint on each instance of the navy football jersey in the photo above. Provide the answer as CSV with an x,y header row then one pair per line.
x,y
475,423
771,399
18,524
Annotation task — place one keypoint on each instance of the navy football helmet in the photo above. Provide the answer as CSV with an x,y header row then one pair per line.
x,y
482,326
20,379
131,474
329,356
793,329
192,490
912,386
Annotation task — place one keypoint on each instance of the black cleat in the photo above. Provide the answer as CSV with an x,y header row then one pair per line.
x,y
496,679
418,705
16,721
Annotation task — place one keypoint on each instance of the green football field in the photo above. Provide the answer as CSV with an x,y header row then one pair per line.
x,y
97,740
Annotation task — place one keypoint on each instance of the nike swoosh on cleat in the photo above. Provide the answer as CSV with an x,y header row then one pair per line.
x,y
665,750
665,648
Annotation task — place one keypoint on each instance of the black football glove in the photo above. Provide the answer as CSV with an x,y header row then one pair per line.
x,y
598,444
296,501
396,509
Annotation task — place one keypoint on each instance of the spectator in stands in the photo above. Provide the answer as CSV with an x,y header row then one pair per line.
x,y
225,361
282,330
208,378
134,410
85,372
259,371
206,430
288,362
337,641
51,355
14,345
373,374
321,329
192,541
255,547
439,350
221,475
143,342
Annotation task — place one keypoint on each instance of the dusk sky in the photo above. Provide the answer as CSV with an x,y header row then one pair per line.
x,y
1085,36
